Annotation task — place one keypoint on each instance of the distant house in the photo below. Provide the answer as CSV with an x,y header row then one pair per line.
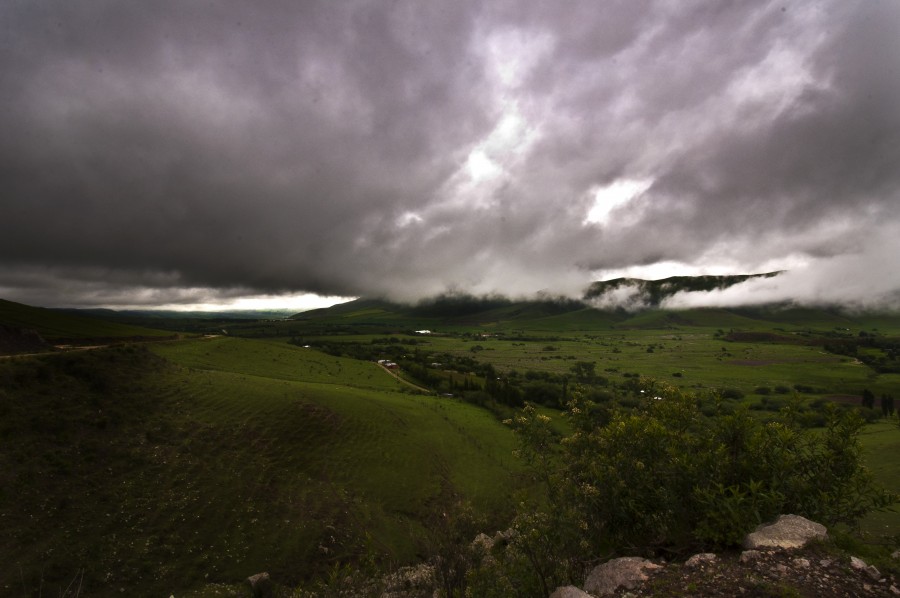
x,y
391,365
422,331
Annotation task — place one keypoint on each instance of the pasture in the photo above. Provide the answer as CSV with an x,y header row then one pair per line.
x,y
185,466
207,461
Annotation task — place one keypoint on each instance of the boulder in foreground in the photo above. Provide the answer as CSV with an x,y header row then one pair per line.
x,y
627,572
788,531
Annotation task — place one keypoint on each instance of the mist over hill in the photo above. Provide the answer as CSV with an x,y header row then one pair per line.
x,y
636,293
623,296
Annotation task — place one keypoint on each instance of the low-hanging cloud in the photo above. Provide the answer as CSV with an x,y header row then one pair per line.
x,y
191,152
866,280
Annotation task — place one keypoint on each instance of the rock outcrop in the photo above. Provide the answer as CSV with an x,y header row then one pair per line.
x,y
788,531
780,560
699,560
261,585
626,572
570,592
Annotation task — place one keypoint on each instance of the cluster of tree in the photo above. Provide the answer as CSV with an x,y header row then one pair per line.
x,y
392,348
543,388
882,354
886,404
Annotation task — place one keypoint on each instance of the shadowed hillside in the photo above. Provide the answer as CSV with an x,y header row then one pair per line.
x,y
56,326
208,461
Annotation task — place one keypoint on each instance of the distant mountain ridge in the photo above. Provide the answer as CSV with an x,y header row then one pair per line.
x,y
653,292
631,294
621,303
231,314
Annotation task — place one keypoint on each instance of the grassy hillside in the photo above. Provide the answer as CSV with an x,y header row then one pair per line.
x,y
208,461
55,325
465,313
164,469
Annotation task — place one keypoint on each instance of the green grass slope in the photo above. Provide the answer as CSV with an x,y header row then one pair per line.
x,y
276,360
55,325
704,318
464,313
881,444
155,472
584,319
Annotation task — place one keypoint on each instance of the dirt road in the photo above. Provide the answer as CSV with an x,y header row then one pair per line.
x,y
407,382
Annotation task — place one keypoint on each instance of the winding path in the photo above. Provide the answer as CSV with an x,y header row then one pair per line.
x,y
407,382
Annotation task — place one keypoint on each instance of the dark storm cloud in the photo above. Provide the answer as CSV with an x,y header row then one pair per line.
x,y
179,151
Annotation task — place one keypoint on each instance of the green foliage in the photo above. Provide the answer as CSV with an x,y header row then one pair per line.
x,y
584,371
664,476
524,560
730,512
450,527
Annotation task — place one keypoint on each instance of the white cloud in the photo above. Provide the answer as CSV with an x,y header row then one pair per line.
x,y
867,279
609,198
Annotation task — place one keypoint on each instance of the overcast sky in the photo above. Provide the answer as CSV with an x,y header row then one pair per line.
x,y
185,152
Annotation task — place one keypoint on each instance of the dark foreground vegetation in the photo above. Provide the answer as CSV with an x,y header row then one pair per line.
x,y
188,465
664,480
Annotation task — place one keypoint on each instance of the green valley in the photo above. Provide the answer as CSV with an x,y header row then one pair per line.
x,y
187,464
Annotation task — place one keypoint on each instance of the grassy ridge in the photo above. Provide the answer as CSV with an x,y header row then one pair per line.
x,y
457,314
276,360
158,474
53,325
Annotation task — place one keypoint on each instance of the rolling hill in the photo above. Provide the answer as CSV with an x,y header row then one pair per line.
x,y
56,326
188,465
455,313
162,468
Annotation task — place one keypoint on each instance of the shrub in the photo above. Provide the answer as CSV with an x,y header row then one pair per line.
x,y
664,477
732,393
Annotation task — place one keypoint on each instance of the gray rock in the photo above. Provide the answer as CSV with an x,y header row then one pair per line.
x,y
748,556
569,592
261,585
861,565
626,572
417,580
788,531
697,560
